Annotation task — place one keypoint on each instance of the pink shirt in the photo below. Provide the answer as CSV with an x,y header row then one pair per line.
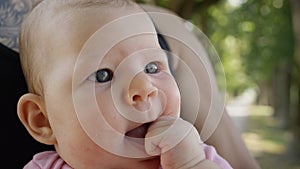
x,y
51,160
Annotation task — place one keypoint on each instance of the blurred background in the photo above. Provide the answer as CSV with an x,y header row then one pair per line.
x,y
258,42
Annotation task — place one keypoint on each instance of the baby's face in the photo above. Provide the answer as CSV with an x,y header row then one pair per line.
x,y
105,87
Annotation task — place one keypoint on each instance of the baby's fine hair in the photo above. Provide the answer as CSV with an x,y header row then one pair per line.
x,y
33,48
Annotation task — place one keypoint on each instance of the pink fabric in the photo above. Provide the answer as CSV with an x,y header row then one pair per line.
x,y
51,160
211,154
47,160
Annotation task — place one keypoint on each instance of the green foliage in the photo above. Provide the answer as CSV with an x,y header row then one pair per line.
x,y
252,39
140,1
163,3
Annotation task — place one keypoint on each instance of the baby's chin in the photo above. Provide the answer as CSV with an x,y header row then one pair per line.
x,y
152,162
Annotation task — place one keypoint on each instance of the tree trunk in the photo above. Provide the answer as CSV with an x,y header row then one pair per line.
x,y
265,94
295,4
281,98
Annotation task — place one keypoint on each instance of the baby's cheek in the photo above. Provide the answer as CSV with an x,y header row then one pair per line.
x,y
173,101
168,86
82,152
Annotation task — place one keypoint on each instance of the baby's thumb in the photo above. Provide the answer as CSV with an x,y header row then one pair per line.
x,y
165,133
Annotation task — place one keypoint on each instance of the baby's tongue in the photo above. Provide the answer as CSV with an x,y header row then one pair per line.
x,y
138,132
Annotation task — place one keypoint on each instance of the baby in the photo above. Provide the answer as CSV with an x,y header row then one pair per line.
x,y
101,92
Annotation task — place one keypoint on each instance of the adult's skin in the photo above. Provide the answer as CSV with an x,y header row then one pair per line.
x,y
225,136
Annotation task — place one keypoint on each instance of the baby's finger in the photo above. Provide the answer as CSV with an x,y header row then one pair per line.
x,y
165,133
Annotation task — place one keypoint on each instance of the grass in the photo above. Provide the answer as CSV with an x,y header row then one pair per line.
x,y
269,144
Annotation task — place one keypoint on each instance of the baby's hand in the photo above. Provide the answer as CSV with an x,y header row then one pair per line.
x,y
177,142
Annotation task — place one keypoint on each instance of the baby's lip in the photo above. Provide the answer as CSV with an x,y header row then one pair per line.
x,y
138,132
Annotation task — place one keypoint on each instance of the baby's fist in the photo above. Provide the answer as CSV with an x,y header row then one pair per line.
x,y
176,141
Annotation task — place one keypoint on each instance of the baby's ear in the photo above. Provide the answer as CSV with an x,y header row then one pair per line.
x,y
32,113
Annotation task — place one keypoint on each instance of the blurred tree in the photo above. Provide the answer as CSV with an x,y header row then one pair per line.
x,y
296,17
256,44
223,30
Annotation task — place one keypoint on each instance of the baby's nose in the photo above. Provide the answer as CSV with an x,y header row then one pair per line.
x,y
141,89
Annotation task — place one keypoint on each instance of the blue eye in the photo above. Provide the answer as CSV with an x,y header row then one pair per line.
x,y
151,68
102,76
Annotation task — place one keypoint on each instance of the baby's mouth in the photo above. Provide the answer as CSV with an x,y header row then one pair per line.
x,y
138,132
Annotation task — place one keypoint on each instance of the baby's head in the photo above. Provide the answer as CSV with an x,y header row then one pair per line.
x,y
48,26
97,78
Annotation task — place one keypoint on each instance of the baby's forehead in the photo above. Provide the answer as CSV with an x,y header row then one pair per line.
x,y
70,29
113,43
105,28
81,24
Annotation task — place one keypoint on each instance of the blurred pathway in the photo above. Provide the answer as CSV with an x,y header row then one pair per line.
x,y
238,108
